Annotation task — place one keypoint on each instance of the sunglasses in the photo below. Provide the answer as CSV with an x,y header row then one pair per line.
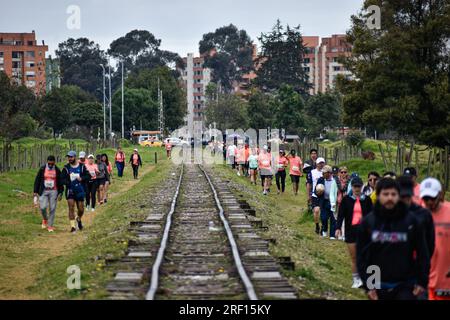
x,y
343,171
426,199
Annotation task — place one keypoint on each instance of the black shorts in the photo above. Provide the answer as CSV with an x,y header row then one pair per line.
x,y
70,195
351,233
101,181
295,179
264,176
315,202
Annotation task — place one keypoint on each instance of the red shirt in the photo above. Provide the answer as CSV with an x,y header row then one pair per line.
x,y
135,159
168,146
120,157
282,163
50,179
295,166
440,261
265,161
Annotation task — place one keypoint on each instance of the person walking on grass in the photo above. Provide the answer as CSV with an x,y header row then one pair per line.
x,y
325,199
49,189
119,162
168,147
295,165
351,211
253,166
280,175
265,168
92,183
136,162
432,195
73,176
392,239
102,178
108,182
312,178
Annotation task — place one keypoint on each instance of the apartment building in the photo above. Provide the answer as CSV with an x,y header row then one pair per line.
x,y
23,60
195,78
321,61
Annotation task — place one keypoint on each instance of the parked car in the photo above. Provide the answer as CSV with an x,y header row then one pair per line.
x,y
176,142
151,143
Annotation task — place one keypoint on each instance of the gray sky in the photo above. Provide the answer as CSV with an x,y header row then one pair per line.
x,y
180,24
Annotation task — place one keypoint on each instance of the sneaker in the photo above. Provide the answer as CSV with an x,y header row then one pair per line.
x,y
87,207
238,174
106,200
93,209
44,224
357,283
73,230
51,229
80,225
264,192
332,238
324,234
317,229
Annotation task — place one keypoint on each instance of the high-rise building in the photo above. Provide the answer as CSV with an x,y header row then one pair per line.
x,y
52,74
195,79
23,60
321,60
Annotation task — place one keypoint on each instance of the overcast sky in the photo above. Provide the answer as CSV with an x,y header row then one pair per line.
x,y
180,24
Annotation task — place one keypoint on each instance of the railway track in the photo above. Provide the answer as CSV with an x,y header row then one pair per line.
x,y
198,244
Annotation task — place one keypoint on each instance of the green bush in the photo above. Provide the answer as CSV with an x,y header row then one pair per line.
x,y
355,139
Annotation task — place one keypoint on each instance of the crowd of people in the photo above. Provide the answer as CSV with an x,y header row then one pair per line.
x,y
84,181
391,224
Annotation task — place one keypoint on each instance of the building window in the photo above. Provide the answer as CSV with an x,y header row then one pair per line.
x,y
306,60
307,69
336,68
17,64
16,54
29,54
30,64
30,43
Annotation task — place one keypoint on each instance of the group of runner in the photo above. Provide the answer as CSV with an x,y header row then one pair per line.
x,y
392,223
84,181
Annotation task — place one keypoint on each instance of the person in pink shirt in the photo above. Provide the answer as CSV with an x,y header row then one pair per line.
x,y
412,172
280,175
295,165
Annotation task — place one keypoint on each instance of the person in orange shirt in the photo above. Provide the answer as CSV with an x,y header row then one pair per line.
x,y
119,162
135,161
168,149
240,160
265,169
412,173
280,175
246,155
295,165
433,197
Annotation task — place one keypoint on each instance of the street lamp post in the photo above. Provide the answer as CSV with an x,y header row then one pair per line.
x,y
110,115
104,103
122,104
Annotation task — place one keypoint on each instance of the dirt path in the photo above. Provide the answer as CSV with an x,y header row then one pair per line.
x,y
32,255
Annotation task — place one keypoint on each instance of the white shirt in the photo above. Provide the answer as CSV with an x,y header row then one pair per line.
x,y
231,150
315,175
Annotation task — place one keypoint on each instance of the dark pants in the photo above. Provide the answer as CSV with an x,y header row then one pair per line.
x,y
327,215
135,170
120,166
91,193
281,175
400,292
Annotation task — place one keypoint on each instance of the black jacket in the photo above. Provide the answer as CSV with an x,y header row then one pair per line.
x,y
345,212
139,159
39,181
425,219
395,242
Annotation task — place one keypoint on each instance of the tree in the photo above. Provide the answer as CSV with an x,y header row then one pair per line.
x,y
173,96
80,61
288,106
229,111
139,49
401,71
325,108
140,108
281,60
16,104
228,52
88,115
260,110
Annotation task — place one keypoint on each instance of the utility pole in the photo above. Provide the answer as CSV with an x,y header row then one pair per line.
x,y
110,115
104,102
122,104
161,110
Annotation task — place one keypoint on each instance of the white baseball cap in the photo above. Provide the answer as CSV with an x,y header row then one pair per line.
x,y
320,159
430,187
135,149
91,156
82,154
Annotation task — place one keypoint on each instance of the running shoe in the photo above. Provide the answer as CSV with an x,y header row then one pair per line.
x,y
93,209
357,283
80,225
87,207
44,224
317,228
324,234
73,230
50,229
332,238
